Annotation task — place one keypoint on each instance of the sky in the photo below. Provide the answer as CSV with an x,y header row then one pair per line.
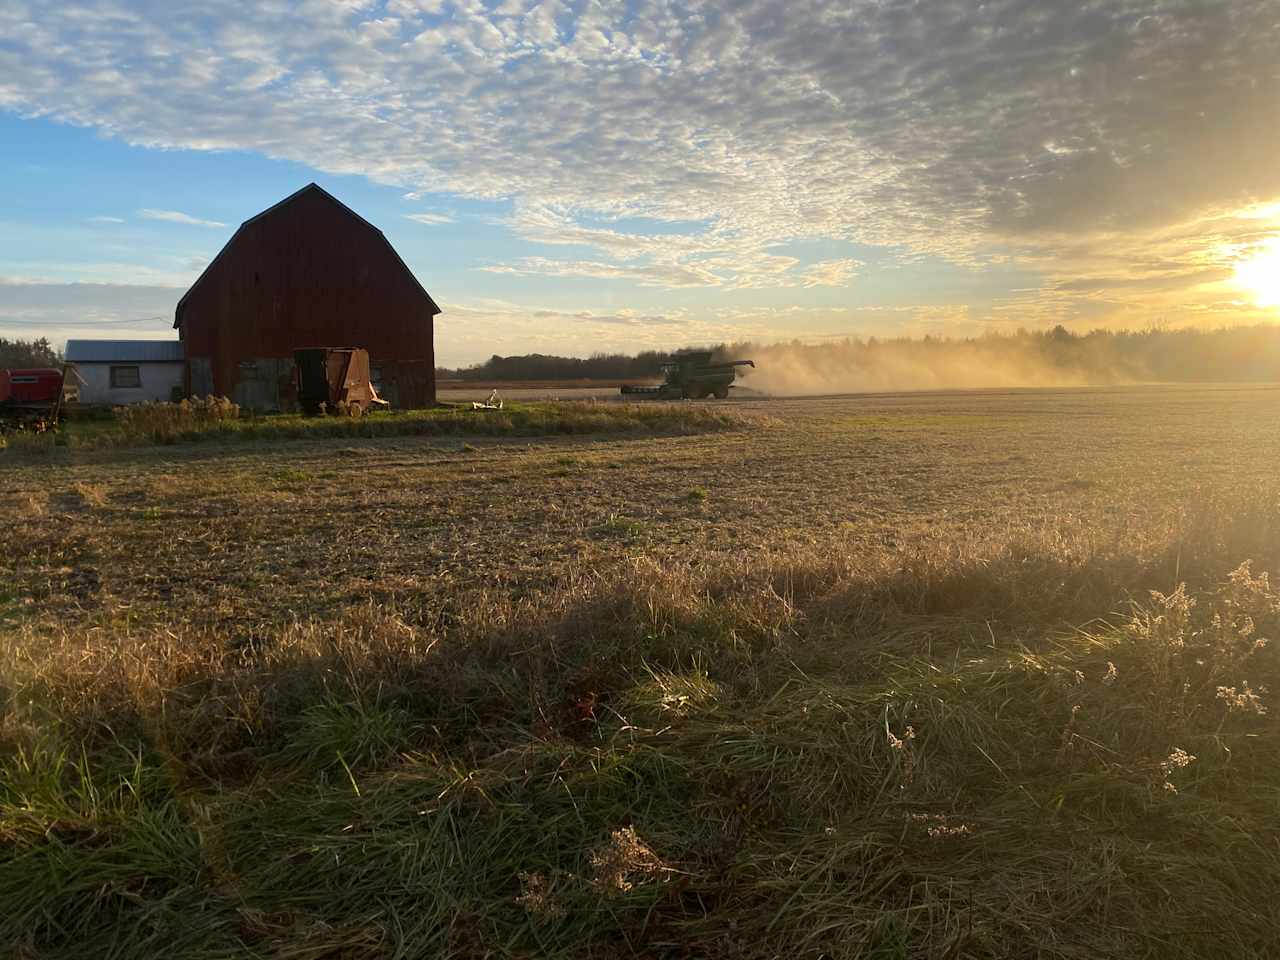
x,y
573,177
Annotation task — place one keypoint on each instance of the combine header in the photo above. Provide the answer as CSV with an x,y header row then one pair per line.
x,y
31,399
692,375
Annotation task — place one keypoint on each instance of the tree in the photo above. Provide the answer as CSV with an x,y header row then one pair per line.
x,y
28,353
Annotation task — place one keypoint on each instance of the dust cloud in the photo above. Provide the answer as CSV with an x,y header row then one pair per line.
x,y
854,366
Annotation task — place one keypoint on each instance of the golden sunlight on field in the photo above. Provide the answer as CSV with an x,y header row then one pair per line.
x,y
967,674
1260,273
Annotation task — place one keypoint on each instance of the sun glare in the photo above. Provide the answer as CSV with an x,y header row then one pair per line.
x,y
1260,274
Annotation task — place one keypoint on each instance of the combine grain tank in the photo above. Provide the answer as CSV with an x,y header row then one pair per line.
x,y
30,399
692,375
334,379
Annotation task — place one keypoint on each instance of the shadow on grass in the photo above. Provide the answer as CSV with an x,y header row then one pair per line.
x,y
912,754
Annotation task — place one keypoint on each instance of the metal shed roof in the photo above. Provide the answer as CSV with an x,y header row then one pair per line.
x,y
125,351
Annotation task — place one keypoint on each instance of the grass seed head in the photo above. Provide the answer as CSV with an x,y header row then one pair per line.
x,y
625,861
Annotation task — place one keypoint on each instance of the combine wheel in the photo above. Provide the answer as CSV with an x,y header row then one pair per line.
x,y
722,393
355,411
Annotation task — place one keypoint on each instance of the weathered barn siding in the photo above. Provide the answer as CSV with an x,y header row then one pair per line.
x,y
308,272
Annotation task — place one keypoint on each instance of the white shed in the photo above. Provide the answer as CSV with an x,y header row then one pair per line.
x,y
127,371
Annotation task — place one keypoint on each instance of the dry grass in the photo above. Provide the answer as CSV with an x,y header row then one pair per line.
x,y
219,420
434,716
158,422
93,494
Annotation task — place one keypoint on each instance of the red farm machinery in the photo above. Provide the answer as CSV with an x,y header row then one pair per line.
x,y
31,399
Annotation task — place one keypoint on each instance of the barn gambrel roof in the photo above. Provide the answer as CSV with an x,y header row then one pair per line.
x,y
309,188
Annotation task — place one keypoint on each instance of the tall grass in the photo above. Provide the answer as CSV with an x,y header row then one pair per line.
x,y
970,750
166,422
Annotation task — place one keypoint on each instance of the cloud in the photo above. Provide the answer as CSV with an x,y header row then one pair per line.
x,y
698,258
430,219
623,318
1080,140
473,329
175,216
470,330
33,307
830,273
106,219
668,275
173,270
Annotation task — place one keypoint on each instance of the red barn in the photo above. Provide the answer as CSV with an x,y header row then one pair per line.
x,y
308,272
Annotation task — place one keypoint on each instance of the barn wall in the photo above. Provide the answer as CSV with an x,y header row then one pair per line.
x,y
306,274
158,381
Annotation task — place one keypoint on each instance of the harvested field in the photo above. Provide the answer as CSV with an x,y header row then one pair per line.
x,y
455,391
844,677
219,421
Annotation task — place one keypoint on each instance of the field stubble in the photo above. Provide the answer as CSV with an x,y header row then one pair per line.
x,y
875,677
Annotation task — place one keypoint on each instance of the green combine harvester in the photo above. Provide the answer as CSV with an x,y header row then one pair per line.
x,y
691,375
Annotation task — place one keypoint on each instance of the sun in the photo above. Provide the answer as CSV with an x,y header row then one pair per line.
x,y
1260,273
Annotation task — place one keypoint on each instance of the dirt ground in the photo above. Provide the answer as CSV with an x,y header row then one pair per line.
x,y
263,533
454,391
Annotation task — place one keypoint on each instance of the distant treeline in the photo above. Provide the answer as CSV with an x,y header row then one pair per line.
x,y
28,353
1244,353
537,366
1025,358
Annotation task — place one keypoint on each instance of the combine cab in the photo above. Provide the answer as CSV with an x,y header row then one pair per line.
x,y
30,399
692,375
334,380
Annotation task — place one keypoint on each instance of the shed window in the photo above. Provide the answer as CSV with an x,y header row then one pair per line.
x,y
125,377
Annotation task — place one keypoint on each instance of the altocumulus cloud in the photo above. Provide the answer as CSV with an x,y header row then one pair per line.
x,y
1097,140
